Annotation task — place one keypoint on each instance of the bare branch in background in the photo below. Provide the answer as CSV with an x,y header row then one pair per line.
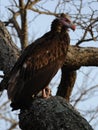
x,y
89,29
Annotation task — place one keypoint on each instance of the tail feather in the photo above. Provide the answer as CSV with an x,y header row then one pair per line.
x,y
12,83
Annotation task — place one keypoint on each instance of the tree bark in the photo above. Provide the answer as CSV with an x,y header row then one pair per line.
x,y
52,114
68,78
81,56
9,53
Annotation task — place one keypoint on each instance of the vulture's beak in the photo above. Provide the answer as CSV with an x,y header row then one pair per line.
x,y
72,26
68,23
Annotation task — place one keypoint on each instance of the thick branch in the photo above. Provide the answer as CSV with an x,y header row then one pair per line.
x,y
9,53
8,50
52,114
68,78
81,56
14,22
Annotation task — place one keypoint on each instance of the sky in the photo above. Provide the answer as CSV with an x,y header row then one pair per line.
x,y
41,25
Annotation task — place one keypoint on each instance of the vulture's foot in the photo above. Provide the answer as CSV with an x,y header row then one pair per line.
x,y
46,92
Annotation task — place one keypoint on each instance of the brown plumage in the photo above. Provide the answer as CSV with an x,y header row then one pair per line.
x,y
39,63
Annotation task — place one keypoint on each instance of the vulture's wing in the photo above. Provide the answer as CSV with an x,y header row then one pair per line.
x,y
34,69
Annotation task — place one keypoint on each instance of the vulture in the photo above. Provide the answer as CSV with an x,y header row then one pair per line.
x,y
38,64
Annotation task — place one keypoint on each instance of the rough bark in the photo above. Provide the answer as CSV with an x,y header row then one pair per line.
x,y
9,53
81,56
8,50
52,114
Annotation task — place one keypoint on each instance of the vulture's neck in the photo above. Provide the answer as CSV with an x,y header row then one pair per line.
x,y
56,26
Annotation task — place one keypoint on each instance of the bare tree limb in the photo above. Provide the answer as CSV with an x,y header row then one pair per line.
x,y
81,56
13,126
42,12
88,29
52,114
24,28
9,53
8,50
31,3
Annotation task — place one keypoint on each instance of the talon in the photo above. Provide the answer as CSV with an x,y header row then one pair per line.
x,y
46,92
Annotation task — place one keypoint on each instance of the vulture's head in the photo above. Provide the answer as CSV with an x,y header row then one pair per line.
x,y
63,21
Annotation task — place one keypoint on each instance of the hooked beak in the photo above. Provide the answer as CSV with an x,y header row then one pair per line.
x,y
68,24
72,26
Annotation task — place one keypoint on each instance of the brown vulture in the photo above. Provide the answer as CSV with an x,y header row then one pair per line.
x,y
39,63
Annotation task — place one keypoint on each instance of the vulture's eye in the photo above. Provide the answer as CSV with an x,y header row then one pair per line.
x,y
67,20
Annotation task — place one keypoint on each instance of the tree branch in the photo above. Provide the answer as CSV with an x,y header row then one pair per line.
x,y
81,56
24,28
89,29
9,54
8,50
31,3
52,114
